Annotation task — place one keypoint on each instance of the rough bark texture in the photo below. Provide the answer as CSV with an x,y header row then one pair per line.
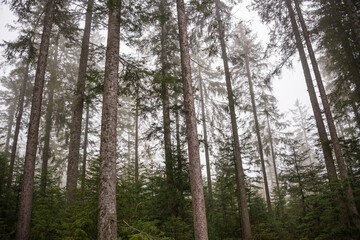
x,y
85,144
329,161
198,202
48,117
206,144
107,221
19,114
245,218
23,225
260,146
78,105
334,137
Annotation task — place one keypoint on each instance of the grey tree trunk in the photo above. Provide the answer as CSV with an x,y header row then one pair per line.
x,y
334,137
329,161
107,221
85,145
48,117
23,225
273,155
78,105
19,114
261,153
10,123
206,144
165,105
198,202
245,218
137,139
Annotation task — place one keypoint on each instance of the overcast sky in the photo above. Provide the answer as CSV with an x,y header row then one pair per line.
x,y
287,88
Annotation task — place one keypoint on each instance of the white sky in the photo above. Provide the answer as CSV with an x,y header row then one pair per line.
x,y
287,88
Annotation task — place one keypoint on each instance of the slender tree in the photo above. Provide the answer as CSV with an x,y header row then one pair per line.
x,y
78,105
48,116
257,129
107,220
245,219
334,137
20,110
206,144
198,202
85,146
23,226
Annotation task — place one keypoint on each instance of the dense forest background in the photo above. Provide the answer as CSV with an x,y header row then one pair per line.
x,y
182,136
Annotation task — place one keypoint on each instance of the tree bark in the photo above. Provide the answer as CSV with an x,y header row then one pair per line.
x,y
20,111
23,225
85,145
107,221
48,117
261,153
165,104
206,144
137,139
198,202
329,161
334,137
10,124
245,218
78,105
273,154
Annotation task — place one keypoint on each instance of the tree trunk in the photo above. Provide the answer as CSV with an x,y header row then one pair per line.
x,y
48,117
78,105
107,221
329,161
261,153
334,137
20,111
198,202
301,188
85,145
245,219
23,225
206,144
165,105
137,139
10,124
273,154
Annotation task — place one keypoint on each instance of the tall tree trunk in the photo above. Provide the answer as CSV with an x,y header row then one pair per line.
x,y
107,221
23,225
206,144
10,123
301,187
354,18
329,161
165,105
245,218
137,139
85,145
273,156
48,117
334,137
261,153
198,202
78,105
20,111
